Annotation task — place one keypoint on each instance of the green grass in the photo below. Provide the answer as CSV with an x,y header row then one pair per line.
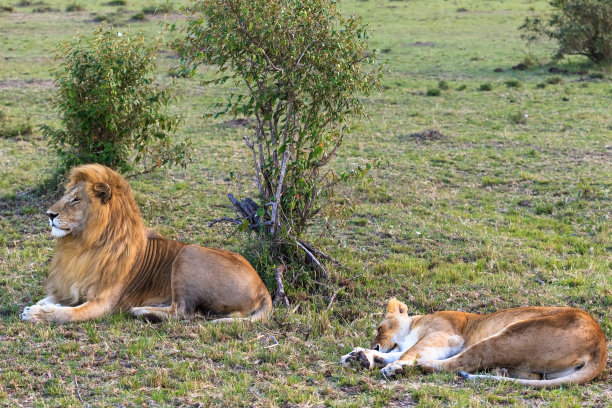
x,y
507,205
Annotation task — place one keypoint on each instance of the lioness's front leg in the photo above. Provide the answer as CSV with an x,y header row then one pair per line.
x,y
50,312
370,358
435,346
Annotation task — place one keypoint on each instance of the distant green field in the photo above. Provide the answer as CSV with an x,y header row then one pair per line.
x,y
494,190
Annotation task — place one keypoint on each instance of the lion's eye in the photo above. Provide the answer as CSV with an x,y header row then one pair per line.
x,y
75,200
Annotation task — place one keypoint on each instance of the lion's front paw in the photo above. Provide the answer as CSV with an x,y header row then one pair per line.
x,y
392,369
41,313
363,356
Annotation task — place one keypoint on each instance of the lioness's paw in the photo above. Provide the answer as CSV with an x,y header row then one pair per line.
x,y
363,356
392,369
350,357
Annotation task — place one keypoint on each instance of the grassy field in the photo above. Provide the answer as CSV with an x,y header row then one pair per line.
x,y
494,193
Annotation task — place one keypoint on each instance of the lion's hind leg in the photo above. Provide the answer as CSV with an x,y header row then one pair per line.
x,y
154,314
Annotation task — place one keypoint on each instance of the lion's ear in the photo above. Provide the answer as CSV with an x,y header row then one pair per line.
x,y
395,306
103,192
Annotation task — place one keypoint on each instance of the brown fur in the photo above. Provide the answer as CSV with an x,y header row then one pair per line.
x,y
536,346
106,260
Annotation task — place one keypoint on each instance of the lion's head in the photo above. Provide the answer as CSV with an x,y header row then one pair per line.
x,y
100,232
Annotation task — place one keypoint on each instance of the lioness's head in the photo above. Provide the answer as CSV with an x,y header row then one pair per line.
x,y
392,334
93,194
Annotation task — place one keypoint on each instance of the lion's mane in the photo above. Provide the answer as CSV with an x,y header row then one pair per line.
x,y
104,254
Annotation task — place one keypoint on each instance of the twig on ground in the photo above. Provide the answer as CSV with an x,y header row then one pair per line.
x,y
78,393
331,300
274,340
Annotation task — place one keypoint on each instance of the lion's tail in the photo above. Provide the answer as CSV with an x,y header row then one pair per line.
x,y
264,309
583,373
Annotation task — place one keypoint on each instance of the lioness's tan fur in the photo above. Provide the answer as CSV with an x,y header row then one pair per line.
x,y
106,260
538,346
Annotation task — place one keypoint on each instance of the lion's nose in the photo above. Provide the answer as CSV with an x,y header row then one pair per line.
x,y
377,347
51,215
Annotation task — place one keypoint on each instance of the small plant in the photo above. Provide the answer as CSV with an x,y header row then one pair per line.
x,y
74,7
443,85
513,83
541,85
554,80
10,129
433,92
544,209
462,87
586,191
518,118
110,110
159,9
138,17
485,87
109,18
117,3
582,27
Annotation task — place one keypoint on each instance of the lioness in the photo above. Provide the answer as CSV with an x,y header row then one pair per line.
x,y
106,260
539,346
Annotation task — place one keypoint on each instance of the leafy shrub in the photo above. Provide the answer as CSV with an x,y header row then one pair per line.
x,y
433,92
554,80
443,85
116,3
582,27
304,68
110,110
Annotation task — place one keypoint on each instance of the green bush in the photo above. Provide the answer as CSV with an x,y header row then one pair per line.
x,y
304,69
582,27
110,110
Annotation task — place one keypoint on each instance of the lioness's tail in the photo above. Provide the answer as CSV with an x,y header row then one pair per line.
x,y
583,373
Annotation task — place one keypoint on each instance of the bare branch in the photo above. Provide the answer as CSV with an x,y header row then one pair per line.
x,y
314,258
280,291
277,197
225,219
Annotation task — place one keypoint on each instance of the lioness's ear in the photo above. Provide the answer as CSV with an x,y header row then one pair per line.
x,y
102,191
395,306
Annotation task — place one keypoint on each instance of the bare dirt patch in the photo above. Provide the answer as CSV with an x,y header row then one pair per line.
x,y
29,83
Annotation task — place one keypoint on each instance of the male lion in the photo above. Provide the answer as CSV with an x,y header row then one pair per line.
x,y
538,346
106,260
